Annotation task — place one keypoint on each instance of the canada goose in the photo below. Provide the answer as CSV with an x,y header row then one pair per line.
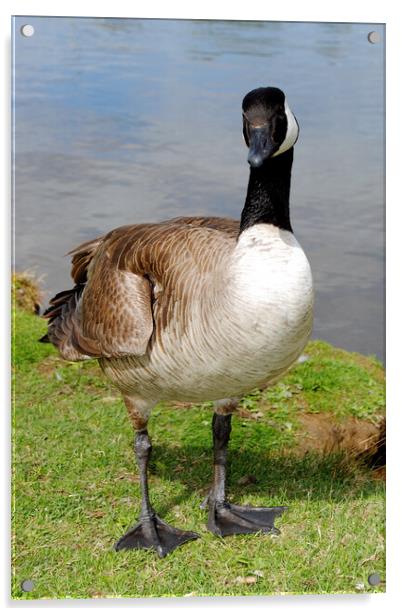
x,y
197,309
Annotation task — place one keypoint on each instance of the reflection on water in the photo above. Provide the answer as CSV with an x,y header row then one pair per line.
x,y
121,121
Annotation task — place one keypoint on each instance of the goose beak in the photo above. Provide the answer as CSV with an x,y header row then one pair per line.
x,y
261,146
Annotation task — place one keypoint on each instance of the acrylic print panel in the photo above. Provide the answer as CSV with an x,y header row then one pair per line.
x,y
126,121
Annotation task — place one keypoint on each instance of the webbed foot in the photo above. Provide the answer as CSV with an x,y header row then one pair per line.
x,y
153,533
226,519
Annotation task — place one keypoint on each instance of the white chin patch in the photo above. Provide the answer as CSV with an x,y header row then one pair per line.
x,y
291,134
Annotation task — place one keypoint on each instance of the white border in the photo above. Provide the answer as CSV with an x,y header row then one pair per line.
x,y
308,10
291,10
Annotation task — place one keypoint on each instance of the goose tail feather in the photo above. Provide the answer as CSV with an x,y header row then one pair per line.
x,y
64,327
63,313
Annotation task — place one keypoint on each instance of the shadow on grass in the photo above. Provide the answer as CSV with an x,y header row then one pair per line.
x,y
331,477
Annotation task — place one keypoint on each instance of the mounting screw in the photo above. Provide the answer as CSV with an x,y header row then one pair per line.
x,y
374,579
374,37
27,30
27,585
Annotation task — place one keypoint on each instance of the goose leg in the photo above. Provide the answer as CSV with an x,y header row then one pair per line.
x,y
223,517
151,531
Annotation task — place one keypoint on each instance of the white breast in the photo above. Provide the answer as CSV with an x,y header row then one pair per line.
x,y
271,298
270,268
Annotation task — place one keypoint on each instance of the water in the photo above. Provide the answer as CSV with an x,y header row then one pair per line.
x,y
122,121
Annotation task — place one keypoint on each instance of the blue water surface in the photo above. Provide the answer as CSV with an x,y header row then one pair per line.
x,y
120,121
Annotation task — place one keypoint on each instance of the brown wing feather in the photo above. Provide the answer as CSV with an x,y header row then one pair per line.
x,y
116,309
229,226
132,282
176,256
64,326
81,257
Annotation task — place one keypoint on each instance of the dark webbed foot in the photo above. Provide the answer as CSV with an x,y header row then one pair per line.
x,y
153,533
226,519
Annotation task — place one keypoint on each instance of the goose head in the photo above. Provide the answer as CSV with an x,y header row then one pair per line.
x,y
269,126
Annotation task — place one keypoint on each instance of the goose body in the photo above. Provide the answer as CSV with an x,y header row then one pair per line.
x,y
197,309
255,295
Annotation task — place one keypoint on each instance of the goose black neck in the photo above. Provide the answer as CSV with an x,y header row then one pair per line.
x,y
268,193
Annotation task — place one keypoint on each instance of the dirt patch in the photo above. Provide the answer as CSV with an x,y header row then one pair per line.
x,y
362,439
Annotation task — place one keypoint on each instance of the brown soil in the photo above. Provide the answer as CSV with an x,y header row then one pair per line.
x,y
360,438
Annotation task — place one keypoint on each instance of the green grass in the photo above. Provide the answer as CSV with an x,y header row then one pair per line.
x,y
76,489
